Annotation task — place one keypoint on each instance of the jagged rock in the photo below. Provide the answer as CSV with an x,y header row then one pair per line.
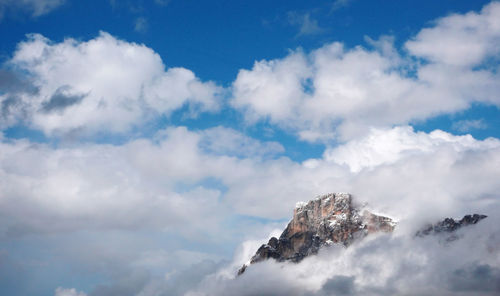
x,y
450,225
328,219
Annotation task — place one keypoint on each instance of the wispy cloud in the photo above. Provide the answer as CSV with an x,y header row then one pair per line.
x,y
34,8
338,4
141,25
469,125
162,2
306,24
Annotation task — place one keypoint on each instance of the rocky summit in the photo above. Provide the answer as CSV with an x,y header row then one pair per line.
x,y
326,220
449,225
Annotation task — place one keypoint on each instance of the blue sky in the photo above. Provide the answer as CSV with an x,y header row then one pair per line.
x,y
142,141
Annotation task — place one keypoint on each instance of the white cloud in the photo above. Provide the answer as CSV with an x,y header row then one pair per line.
x,y
460,40
102,85
338,92
405,174
119,187
34,7
389,146
134,186
146,183
45,190
225,141
272,88
68,292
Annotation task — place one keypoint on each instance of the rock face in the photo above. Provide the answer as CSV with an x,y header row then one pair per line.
x,y
450,225
328,219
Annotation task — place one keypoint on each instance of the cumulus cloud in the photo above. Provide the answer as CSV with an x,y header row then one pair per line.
x,y
97,186
143,183
100,85
418,167
12,83
100,187
33,7
338,92
392,145
12,87
460,40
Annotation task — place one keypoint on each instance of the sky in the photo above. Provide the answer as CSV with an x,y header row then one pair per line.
x,y
149,147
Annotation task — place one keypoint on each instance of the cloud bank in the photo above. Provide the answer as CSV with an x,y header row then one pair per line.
x,y
431,176
98,185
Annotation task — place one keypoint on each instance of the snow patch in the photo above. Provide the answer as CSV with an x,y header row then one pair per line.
x,y
300,204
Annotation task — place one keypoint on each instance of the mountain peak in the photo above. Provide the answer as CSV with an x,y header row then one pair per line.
x,y
325,220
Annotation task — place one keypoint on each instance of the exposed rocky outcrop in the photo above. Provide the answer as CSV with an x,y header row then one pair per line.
x,y
449,225
328,219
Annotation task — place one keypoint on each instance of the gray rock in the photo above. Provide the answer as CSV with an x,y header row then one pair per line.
x,y
449,225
